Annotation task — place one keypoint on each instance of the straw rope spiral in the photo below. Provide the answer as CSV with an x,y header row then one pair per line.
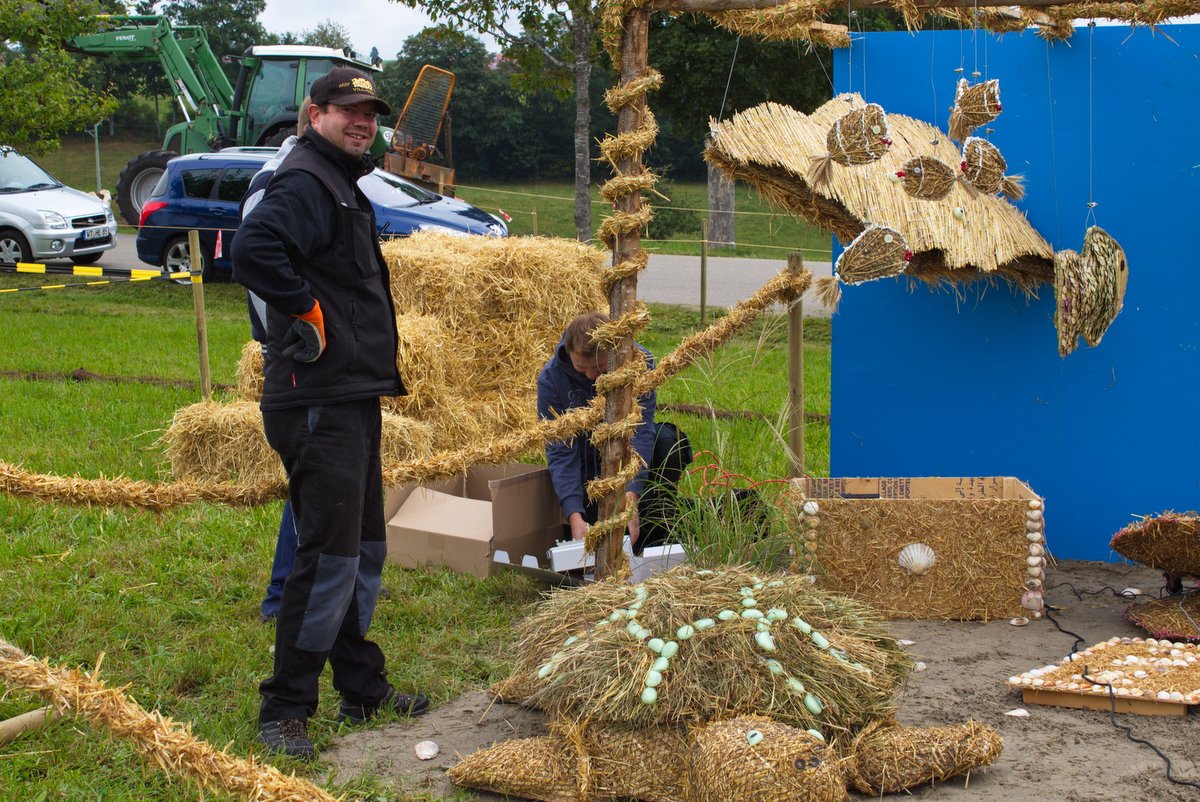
x,y
166,744
785,288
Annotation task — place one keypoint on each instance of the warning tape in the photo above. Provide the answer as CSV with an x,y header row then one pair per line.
x,y
115,275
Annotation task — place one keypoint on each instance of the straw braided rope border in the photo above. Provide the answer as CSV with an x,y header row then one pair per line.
x,y
158,497
167,744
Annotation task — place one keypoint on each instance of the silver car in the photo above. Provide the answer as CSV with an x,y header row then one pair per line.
x,y
42,219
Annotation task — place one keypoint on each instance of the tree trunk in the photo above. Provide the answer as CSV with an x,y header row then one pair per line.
x,y
720,209
583,34
622,297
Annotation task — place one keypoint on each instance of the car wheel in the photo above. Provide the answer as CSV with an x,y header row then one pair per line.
x,y
137,181
87,258
13,247
177,258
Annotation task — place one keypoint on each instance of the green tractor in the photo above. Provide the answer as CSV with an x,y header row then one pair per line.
x,y
260,110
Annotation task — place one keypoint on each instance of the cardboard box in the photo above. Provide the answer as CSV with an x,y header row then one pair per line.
x,y
461,521
569,556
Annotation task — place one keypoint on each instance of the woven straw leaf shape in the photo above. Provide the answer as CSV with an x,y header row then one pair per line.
x,y
1109,272
878,252
927,178
973,106
1068,299
1167,542
982,165
860,136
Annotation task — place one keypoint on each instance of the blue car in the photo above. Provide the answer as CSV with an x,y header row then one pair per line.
x,y
204,191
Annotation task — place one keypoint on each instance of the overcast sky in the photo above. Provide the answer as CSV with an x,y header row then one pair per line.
x,y
371,23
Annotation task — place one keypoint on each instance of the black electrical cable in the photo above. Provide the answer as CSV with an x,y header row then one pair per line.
x,y
1079,594
1078,638
1112,717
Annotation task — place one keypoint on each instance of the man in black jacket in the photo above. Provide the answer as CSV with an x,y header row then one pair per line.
x,y
310,251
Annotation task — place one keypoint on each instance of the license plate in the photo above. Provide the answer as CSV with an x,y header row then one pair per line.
x,y
95,233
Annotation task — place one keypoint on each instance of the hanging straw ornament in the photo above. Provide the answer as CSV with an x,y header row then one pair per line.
x,y
1110,272
973,106
857,137
983,168
1089,289
926,178
878,252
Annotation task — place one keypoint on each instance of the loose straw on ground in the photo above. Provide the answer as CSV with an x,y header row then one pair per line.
x,y
785,288
167,744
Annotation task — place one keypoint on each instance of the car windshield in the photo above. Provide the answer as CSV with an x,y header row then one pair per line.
x,y
19,174
388,190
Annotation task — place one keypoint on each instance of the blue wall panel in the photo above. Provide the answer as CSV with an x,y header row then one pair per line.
x,y
929,384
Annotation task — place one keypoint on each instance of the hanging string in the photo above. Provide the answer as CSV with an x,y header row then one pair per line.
x,y
816,54
1053,146
850,49
975,39
863,35
1090,220
932,81
729,80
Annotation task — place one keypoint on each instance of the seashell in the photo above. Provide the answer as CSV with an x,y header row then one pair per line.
x,y
1033,562
1033,584
1034,537
1033,515
426,750
916,558
1036,572
1033,526
1032,600
776,583
1035,504
811,523
811,508
1019,621
1019,712
919,666
1036,551
905,642
776,614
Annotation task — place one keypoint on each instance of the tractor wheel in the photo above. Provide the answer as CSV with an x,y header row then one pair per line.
x,y
137,181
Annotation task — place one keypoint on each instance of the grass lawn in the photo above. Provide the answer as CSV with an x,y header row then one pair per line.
x,y
546,208
171,600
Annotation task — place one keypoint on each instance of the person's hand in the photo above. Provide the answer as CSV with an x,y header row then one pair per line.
x,y
305,340
634,527
579,527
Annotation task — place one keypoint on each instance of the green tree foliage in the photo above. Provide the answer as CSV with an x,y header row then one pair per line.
x,y
328,34
42,88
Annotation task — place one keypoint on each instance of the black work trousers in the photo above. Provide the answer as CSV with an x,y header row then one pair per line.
x,y
331,454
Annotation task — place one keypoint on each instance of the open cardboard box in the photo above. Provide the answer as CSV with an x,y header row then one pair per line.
x,y
492,515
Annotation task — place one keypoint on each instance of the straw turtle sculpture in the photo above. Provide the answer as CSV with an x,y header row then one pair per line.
x,y
700,685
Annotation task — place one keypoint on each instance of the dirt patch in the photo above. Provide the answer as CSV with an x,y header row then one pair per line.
x,y
1055,753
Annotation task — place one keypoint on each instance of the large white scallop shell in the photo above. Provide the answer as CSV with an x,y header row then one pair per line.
x,y
916,558
427,750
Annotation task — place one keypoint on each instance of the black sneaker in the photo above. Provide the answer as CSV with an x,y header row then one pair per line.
x,y
405,704
288,737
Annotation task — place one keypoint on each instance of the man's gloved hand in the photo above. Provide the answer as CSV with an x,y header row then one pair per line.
x,y
305,340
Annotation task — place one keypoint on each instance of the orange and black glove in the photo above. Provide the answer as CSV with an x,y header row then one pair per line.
x,y
305,340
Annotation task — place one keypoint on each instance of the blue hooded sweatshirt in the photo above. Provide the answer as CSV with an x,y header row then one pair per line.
x,y
575,462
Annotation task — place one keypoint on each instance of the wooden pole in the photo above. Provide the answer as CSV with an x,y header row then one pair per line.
x,y
795,264
622,298
535,222
197,270
703,273
705,6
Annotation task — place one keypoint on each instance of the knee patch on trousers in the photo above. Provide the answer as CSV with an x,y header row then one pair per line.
x,y
332,590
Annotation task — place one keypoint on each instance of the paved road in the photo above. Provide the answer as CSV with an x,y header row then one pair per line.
x,y
668,279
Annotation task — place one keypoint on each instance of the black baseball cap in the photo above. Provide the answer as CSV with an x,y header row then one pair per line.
x,y
345,86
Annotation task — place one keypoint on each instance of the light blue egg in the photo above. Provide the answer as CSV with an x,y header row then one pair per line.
x,y
802,625
746,591
655,644
649,696
774,666
669,649
726,615
776,583
820,736
570,640
775,614
653,679
660,664
754,737
752,613
819,640
749,601
795,685
813,704
765,641
704,623
545,670
685,632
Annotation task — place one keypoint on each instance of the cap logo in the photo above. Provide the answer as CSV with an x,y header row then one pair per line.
x,y
359,85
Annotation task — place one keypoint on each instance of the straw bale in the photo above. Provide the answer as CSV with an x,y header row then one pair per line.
x,y
927,178
983,168
404,438
771,147
473,283
250,372
585,662
1169,541
888,758
752,758
211,442
973,106
979,545
1176,617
